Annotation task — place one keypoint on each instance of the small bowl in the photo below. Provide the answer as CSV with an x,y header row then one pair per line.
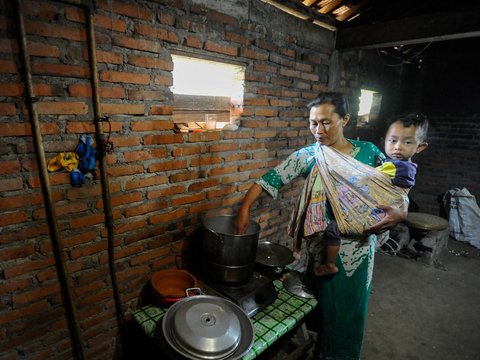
x,y
172,284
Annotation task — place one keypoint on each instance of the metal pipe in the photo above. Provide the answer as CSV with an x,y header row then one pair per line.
x,y
100,140
45,184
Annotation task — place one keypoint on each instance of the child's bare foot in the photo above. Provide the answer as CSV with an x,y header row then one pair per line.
x,y
325,269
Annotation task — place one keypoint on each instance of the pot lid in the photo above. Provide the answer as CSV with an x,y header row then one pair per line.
x,y
272,254
294,284
208,327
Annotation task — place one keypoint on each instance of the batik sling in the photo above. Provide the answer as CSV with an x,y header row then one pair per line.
x,y
354,190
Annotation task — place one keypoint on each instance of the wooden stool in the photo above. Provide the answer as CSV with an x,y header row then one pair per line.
x,y
430,233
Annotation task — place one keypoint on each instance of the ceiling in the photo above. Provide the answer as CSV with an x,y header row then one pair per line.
x,y
388,23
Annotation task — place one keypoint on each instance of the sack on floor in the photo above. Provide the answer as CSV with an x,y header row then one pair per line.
x,y
463,215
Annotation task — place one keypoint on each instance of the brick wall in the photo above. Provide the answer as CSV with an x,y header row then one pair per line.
x,y
161,182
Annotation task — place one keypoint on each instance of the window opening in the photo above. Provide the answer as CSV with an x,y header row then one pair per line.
x,y
204,87
369,107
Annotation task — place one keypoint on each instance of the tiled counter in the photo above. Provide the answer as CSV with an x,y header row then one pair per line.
x,y
270,324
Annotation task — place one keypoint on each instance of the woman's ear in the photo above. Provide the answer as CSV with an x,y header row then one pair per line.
x,y
345,120
421,147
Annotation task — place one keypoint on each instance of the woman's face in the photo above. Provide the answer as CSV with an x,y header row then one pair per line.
x,y
326,125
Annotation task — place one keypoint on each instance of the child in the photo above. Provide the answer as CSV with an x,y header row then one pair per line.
x,y
405,137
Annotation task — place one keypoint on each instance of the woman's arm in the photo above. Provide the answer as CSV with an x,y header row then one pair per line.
x,y
393,215
243,216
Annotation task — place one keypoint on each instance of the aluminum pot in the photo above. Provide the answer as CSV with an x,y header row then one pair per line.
x,y
227,257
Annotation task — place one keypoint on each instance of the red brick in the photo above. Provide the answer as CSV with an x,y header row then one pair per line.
x,y
62,108
205,136
146,182
169,216
217,17
36,294
193,41
189,150
130,109
14,285
124,77
130,227
163,80
149,125
145,95
223,147
188,199
167,166
85,90
237,199
126,198
163,139
236,157
170,190
5,110
28,266
147,256
8,46
223,170
43,50
9,167
221,192
89,249
11,184
125,170
128,42
150,62
17,252
24,234
11,89
19,201
23,312
145,208
203,184
208,160
12,218
184,176
195,209
86,220
161,110
222,49
8,66
61,70
142,155
56,31
107,57
133,11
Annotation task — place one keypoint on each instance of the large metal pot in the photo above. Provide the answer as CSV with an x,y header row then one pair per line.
x,y
227,257
208,328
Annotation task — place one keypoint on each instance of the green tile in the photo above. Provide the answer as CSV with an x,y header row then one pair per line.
x,y
259,328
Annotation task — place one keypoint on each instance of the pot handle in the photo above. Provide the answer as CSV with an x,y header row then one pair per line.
x,y
220,236
193,291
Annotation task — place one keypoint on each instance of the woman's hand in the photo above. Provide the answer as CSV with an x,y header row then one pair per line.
x,y
393,215
241,222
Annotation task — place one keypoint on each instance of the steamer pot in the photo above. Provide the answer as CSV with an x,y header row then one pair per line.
x,y
227,257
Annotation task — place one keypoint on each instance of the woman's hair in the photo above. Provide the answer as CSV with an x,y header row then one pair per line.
x,y
420,122
335,98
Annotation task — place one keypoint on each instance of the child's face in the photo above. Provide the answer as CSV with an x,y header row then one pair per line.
x,y
402,142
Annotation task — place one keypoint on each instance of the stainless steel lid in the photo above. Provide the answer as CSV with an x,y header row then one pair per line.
x,y
208,327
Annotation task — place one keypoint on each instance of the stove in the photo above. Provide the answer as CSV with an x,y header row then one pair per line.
x,y
251,296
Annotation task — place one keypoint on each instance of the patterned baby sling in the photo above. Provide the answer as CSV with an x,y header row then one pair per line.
x,y
353,189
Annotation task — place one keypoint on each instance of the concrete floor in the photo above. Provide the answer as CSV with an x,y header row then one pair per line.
x,y
423,312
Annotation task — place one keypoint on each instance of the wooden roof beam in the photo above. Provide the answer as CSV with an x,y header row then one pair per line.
x,y
303,12
415,30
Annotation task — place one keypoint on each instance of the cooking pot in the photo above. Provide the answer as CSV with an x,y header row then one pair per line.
x,y
227,257
272,258
171,285
208,327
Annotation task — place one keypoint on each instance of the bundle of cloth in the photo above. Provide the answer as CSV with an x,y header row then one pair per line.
x,y
355,190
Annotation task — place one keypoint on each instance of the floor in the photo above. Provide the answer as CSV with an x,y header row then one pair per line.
x,y
424,312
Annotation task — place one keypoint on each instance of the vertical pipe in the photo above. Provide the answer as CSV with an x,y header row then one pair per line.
x,y
100,139
45,184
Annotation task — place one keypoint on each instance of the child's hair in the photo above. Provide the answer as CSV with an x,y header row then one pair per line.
x,y
335,98
420,121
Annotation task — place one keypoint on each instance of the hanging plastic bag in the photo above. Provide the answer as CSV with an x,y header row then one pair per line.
x,y
463,215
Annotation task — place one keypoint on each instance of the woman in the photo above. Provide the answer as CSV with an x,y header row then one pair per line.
x,y
343,298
